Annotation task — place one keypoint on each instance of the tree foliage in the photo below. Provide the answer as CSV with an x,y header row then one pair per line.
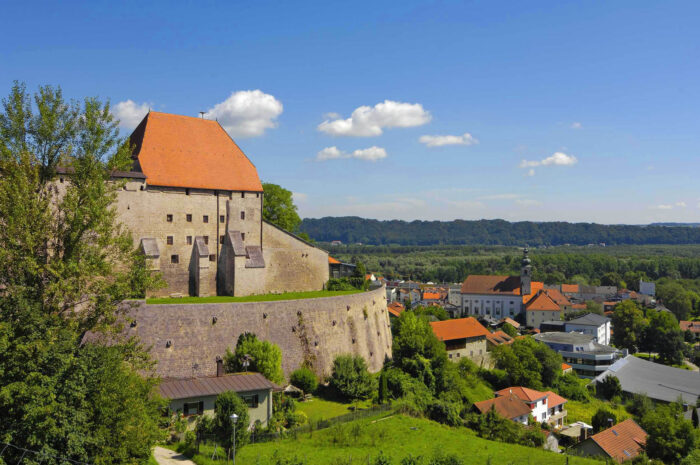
x,y
305,379
262,356
350,378
66,266
603,418
671,436
630,324
227,404
529,363
609,387
279,208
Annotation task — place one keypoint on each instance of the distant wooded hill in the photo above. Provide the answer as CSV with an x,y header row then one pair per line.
x,y
352,229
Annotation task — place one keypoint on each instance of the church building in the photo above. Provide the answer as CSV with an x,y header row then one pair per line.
x,y
193,202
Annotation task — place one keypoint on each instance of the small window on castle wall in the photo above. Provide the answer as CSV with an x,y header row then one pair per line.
x,y
189,217
206,240
170,240
189,240
257,195
242,236
169,218
212,258
187,192
221,239
205,218
222,218
243,195
174,259
242,215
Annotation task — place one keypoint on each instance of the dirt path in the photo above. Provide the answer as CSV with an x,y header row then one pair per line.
x,y
168,457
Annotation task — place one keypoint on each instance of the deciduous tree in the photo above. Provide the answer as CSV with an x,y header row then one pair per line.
x,y
279,208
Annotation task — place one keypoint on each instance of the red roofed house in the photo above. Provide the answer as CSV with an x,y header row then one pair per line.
x,y
543,406
692,326
395,308
463,337
542,308
193,203
499,297
621,442
498,338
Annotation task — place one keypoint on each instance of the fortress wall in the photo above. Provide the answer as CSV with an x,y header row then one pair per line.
x,y
315,330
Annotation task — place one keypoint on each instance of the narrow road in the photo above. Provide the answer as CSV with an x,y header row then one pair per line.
x,y
168,457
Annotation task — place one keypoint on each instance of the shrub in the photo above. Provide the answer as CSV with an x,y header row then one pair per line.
x,y
263,356
226,404
445,412
601,419
339,284
609,387
305,379
350,378
572,388
296,418
499,379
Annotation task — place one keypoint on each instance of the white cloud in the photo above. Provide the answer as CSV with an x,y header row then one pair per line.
x,y
576,125
373,153
528,202
663,207
681,204
247,113
299,197
331,115
130,113
439,141
368,121
557,159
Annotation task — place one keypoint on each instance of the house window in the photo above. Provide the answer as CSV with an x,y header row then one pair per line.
x,y
243,195
169,218
221,239
189,240
242,215
205,218
193,408
187,192
206,240
257,195
251,401
222,218
170,240
544,416
189,217
212,258
242,236
174,259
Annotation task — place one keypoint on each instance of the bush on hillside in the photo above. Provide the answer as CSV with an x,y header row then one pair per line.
x,y
609,387
350,378
571,387
445,412
305,379
339,284
603,418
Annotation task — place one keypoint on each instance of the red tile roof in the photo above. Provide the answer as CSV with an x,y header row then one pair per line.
x,y
570,288
558,297
535,287
487,284
526,394
499,338
542,302
461,328
512,322
578,306
623,441
395,308
431,296
554,399
333,261
693,326
183,151
565,367
510,406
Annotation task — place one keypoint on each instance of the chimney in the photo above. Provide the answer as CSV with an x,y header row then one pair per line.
x,y
219,367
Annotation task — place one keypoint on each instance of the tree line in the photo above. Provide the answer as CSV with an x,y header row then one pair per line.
x,y
353,229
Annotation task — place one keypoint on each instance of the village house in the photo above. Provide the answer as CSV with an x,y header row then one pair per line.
x,y
498,297
692,326
196,396
593,324
587,357
395,309
621,442
541,308
337,269
518,403
463,337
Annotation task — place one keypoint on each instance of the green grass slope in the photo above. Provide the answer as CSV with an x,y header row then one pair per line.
x,y
397,437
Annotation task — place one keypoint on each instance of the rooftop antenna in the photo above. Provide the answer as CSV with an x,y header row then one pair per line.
x,y
201,114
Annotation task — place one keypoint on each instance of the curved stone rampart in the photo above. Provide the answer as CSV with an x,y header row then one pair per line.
x,y
186,339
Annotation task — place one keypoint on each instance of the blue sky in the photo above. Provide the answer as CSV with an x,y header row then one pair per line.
x,y
574,111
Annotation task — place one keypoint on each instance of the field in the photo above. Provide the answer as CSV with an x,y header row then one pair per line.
x,y
250,298
397,437
584,411
317,409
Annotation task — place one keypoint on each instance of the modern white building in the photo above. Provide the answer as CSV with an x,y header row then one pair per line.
x,y
592,324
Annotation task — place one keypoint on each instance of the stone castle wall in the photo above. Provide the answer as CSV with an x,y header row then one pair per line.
x,y
162,213
186,339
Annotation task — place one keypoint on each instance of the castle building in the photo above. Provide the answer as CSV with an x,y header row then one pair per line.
x,y
499,296
193,202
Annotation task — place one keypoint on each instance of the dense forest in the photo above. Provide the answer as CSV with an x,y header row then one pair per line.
x,y
352,229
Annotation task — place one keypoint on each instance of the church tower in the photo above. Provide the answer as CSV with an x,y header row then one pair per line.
x,y
525,274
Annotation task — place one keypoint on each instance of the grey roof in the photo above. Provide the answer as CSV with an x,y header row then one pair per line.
x,y
564,338
236,242
553,323
255,257
659,382
201,247
214,385
149,247
592,319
